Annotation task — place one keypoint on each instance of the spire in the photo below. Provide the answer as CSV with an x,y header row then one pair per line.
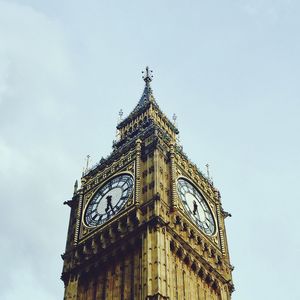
x,y
146,99
147,95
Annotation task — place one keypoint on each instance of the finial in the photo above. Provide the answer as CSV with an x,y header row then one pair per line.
x,y
120,114
207,171
118,133
174,118
208,174
87,164
75,187
147,75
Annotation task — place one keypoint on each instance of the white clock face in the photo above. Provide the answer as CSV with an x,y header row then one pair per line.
x,y
108,200
196,206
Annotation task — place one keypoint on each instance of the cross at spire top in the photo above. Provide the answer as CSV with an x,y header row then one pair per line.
x,y
147,75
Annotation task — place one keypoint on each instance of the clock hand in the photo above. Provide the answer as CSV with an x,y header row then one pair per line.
x,y
108,204
112,208
195,210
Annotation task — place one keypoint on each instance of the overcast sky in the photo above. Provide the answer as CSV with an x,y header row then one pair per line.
x,y
230,71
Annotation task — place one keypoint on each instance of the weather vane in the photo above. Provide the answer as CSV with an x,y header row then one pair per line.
x,y
147,75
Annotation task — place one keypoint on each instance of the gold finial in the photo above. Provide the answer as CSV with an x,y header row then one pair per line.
x,y
147,75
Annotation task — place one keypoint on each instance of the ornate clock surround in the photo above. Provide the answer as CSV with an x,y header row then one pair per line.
x,y
95,179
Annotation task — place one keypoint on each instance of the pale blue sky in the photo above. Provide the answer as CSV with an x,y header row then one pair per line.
x,y
230,71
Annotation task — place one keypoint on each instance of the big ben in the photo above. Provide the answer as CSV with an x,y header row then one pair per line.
x,y
145,223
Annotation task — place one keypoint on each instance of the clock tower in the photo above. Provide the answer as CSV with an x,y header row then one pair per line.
x,y
145,222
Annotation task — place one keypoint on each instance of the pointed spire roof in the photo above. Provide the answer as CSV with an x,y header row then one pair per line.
x,y
145,102
146,98
147,95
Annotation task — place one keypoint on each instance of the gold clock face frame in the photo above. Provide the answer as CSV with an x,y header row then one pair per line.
x,y
108,200
196,206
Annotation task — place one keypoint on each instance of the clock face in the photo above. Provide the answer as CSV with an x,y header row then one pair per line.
x,y
196,206
108,200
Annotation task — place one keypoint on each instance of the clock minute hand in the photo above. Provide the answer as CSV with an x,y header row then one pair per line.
x,y
109,205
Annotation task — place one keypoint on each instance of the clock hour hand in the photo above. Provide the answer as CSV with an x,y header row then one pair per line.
x,y
195,209
196,212
109,205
